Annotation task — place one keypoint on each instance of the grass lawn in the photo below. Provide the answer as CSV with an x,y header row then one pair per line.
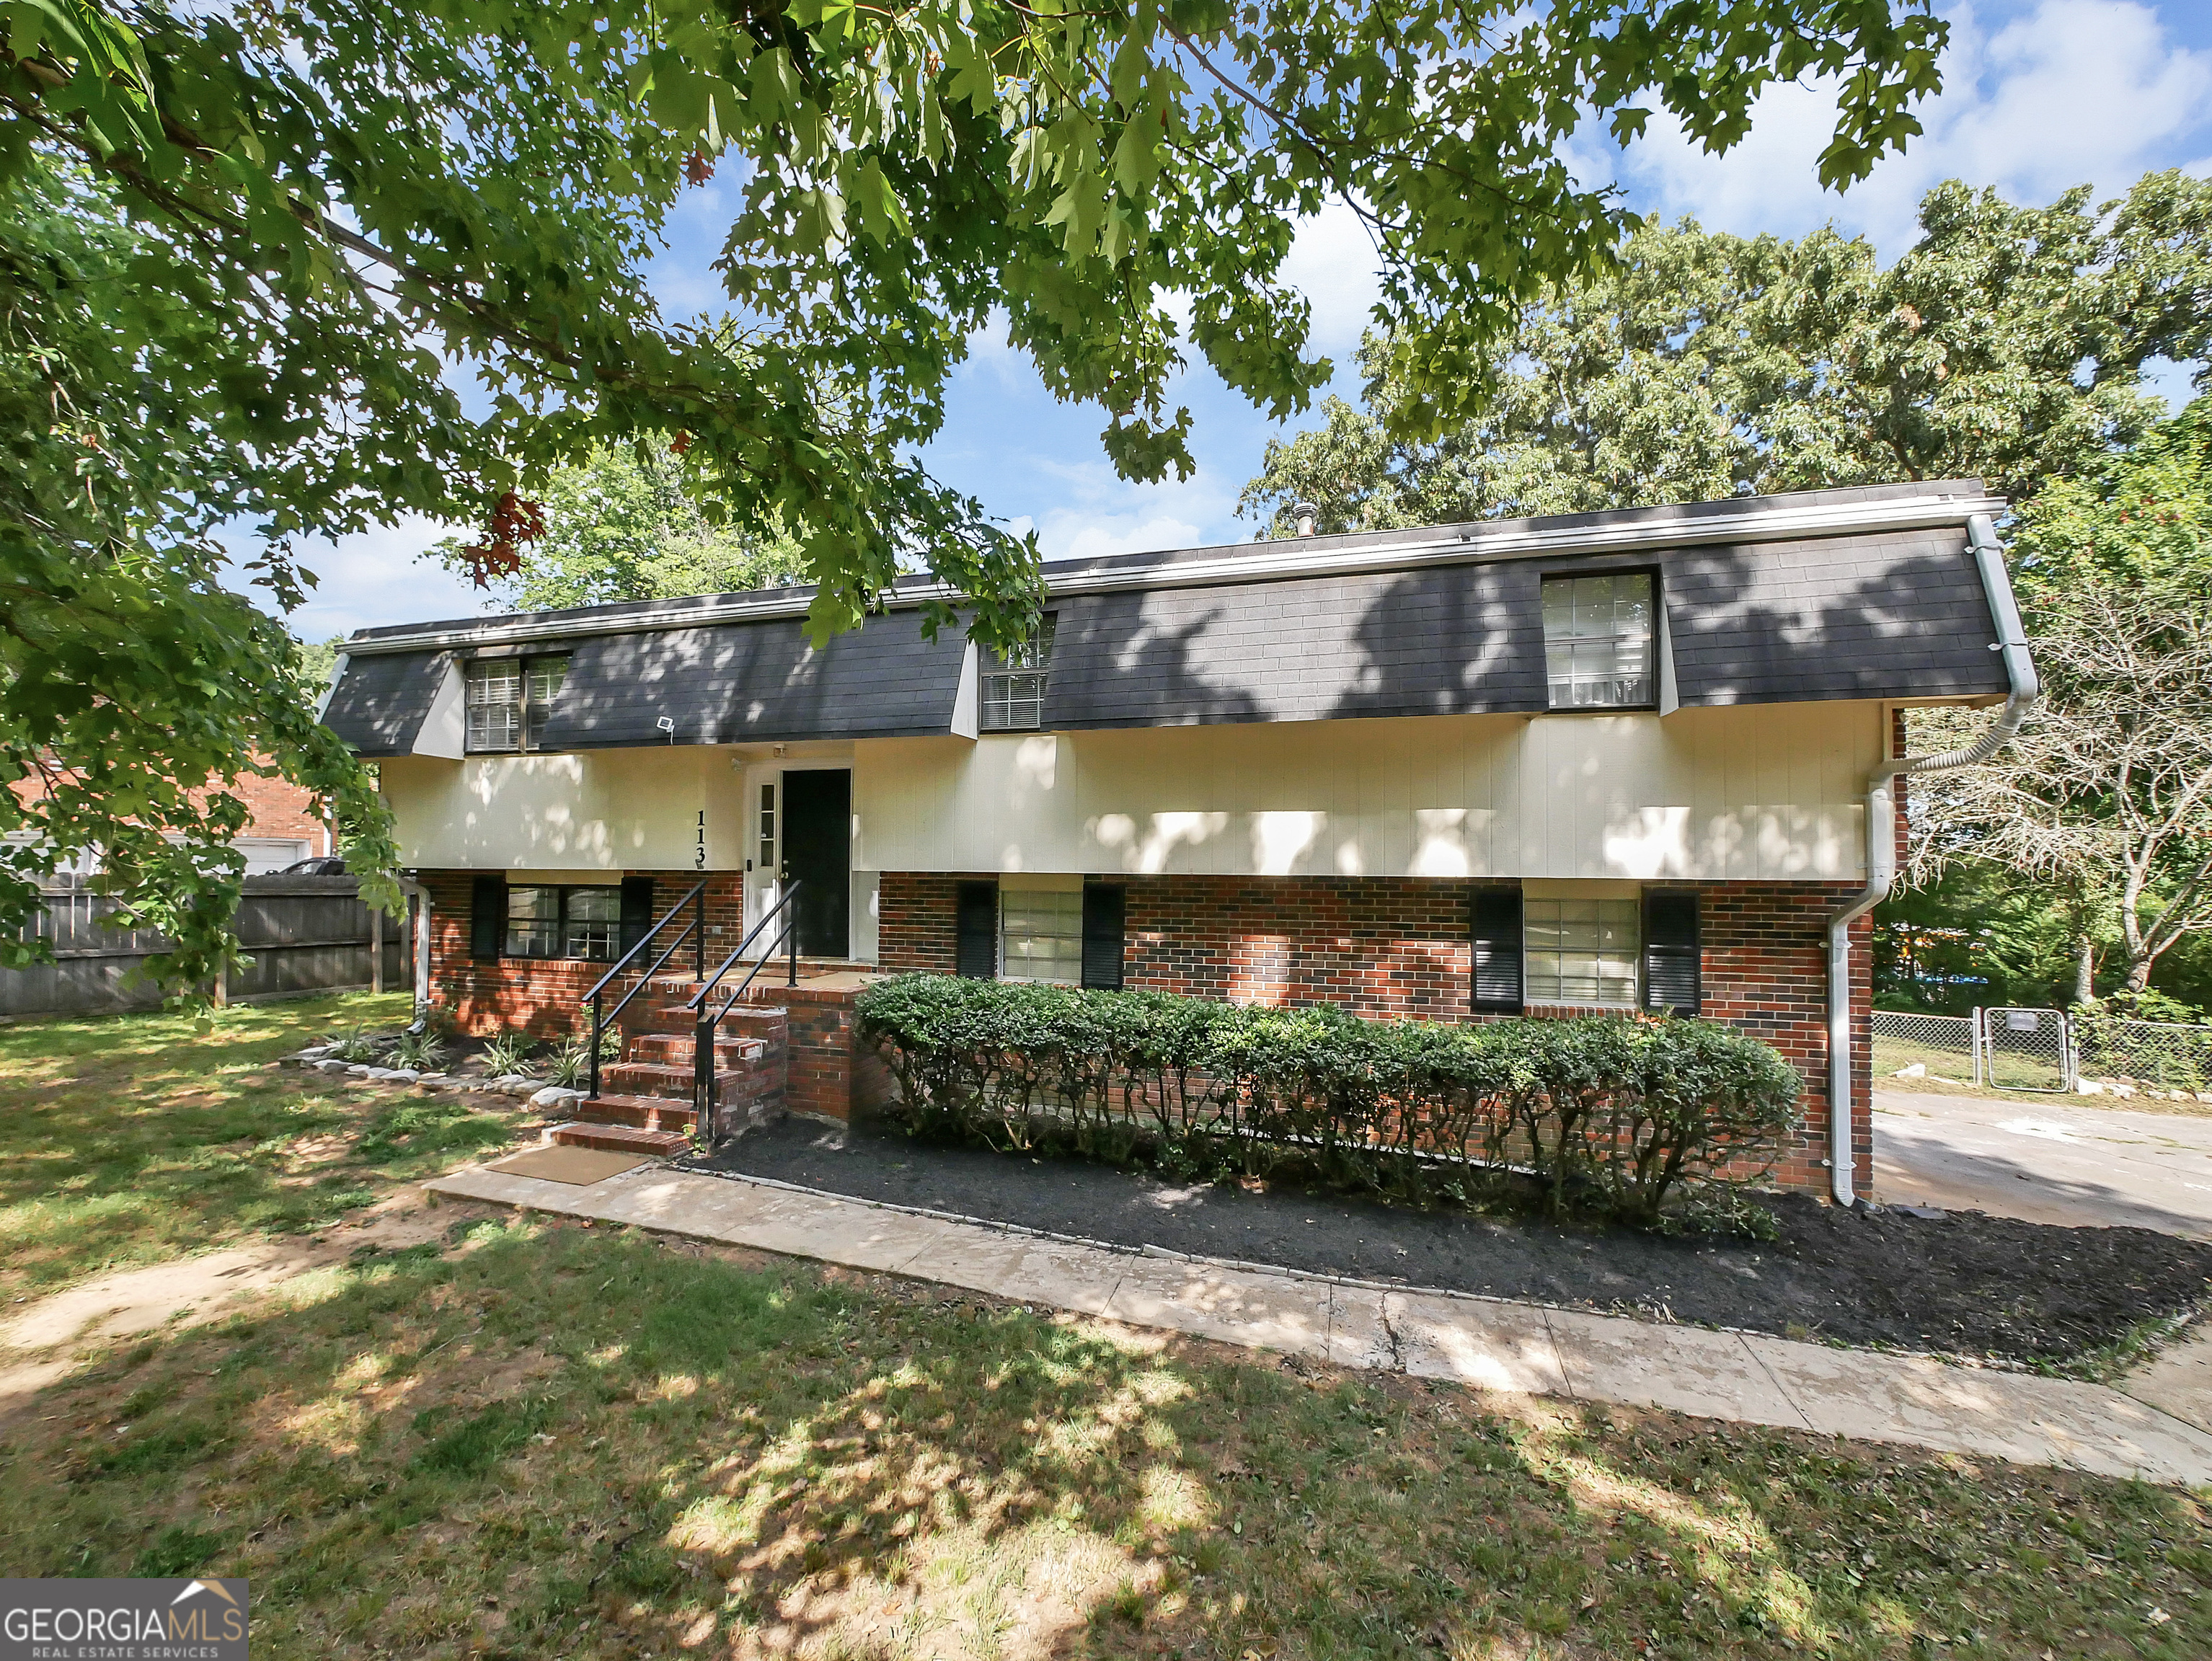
x,y
129,1140
536,1438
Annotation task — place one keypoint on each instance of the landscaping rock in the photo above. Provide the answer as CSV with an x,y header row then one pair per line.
x,y
379,1074
555,1095
333,1066
432,1078
404,1076
361,1069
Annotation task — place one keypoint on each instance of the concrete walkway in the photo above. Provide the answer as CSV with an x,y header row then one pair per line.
x,y
2162,1432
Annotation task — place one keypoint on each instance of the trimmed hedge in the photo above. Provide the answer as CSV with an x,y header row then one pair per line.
x,y
1622,1112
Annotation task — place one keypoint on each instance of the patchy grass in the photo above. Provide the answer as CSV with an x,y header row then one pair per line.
x,y
526,1438
130,1140
552,1440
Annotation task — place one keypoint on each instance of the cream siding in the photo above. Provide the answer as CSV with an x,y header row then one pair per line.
x,y
1767,791
1750,792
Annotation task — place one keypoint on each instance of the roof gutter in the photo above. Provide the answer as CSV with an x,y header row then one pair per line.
x,y
1881,837
1257,562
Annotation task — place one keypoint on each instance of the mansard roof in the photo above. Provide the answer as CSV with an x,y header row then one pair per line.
x,y
1868,592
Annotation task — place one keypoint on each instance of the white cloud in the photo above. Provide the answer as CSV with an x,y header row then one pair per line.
x,y
373,579
1097,514
2073,92
1333,262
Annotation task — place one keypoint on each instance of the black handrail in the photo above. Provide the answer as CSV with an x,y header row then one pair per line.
x,y
694,931
704,1090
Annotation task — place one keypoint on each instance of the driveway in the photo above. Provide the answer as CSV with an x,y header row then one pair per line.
x,y
2061,1162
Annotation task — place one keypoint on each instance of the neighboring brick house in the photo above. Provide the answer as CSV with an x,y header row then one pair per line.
x,y
281,825
1607,761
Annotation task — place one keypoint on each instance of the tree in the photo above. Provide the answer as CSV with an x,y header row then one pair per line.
x,y
2106,797
2008,343
135,690
279,229
620,527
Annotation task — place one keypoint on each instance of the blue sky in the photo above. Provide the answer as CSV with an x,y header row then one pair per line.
x,y
2039,96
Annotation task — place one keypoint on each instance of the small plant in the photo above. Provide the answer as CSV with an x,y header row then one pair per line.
x,y
571,1066
425,1052
507,1053
355,1046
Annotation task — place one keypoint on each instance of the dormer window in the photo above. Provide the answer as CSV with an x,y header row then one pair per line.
x,y
509,700
1014,691
1598,641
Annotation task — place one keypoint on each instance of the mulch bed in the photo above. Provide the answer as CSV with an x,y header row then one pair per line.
x,y
1963,1283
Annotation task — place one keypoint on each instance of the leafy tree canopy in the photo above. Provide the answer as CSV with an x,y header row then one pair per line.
x,y
619,526
245,248
482,179
2008,342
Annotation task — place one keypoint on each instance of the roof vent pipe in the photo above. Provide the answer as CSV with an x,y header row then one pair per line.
x,y
1881,837
1307,515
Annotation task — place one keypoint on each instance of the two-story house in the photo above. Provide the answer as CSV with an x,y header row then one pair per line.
x,y
1616,761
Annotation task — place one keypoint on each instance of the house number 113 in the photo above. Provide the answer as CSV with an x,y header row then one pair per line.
x,y
700,862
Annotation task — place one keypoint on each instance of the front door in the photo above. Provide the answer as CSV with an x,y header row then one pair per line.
x,y
817,854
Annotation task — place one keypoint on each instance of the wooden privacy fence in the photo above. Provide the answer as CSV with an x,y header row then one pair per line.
x,y
303,934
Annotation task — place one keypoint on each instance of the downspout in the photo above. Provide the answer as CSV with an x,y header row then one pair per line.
x,y
421,895
1882,836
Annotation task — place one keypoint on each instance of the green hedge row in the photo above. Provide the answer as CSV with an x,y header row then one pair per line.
x,y
1622,1111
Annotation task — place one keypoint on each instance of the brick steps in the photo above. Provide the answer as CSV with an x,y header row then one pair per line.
x,y
618,1138
675,1050
648,1093
639,1111
668,1080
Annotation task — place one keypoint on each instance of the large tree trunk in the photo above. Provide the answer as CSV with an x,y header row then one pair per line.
x,y
2085,969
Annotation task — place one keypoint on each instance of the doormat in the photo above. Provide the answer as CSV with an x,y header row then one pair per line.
x,y
580,1165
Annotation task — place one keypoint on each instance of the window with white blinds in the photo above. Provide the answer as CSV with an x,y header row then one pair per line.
x,y
1580,951
1041,936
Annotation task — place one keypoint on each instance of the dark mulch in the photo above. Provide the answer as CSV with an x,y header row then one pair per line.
x,y
1963,1283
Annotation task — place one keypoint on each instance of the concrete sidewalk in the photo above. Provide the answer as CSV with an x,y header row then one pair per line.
x,y
2159,1428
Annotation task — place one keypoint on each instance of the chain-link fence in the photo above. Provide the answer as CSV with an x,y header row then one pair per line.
x,y
2149,1054
2026,1049
2051,1050
1941,1046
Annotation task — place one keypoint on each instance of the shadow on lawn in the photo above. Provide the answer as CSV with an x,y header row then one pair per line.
x,y
555,1441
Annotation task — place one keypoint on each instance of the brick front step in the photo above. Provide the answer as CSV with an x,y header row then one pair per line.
x,y
619,1138
643,1111
669,1080
675,1049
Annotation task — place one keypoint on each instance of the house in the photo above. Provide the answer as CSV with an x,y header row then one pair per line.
x,y
1618,761
282,826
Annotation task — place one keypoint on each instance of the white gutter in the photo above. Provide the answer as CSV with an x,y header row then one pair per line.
x,y
1881,837
1265,561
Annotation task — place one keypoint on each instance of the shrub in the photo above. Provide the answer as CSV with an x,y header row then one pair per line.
x,y
1619,1111
425,1052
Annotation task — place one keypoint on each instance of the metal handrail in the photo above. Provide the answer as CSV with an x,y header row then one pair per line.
x,y
704,1089
694,931
708,982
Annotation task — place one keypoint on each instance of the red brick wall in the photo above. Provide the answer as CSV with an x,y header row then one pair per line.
x,y
545,997
831,1075
1399,948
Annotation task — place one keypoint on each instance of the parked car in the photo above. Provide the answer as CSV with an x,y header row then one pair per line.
x,y
326,864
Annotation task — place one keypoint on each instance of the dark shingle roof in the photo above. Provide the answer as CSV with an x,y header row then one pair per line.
x,y
1230,634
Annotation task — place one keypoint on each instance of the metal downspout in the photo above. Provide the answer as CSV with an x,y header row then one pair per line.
x,y
1881,837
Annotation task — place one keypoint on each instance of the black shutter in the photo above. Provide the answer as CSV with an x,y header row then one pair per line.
x,y
1103,908
637,912
1671,976
1497,936
488,917
975,949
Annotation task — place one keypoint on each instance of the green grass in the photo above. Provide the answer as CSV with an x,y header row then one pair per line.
x,y
130,1140
558,1441
534,1439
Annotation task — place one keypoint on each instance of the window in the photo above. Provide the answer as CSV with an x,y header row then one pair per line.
x,y
1013,693
768,829
586,923
533,923
1580,951
1040,935
592,922
1597,641
509,700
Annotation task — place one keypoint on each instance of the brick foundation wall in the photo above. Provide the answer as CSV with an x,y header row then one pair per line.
x,y
1397,948
832,1076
